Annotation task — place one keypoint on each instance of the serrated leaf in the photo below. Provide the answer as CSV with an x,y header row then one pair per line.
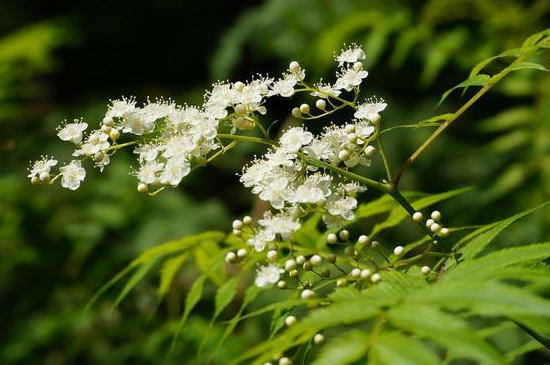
x,y
482,297
447,330
345,349
308,234
515,53
475,246
477,80
396,349
168,272
193,297
134,280
225,295
486,265
177,245
528,66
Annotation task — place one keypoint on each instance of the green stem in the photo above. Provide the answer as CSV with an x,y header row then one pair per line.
x,y
494,80
384,159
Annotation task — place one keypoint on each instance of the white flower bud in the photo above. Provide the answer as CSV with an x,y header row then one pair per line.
x,y
370,150
321,104
331,238
230,257
247,219
365,273
374,244
35,180
237,224
436,215
352,138
318,339
376,120
294,67
242,252
271,255
290,320
285,361
307,294
444,232
375,278
398,251
343,155
240,109
358,66
349,128
304,109
281,284
435,227
239,86
237,232
44,176
143,188
296,113
290,264
429,222
417,217
355,272
344,234
106,129
341,283
315,260
114,135
108,121
425,270
293,273
363,239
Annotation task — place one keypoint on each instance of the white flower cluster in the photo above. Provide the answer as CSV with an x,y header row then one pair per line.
x,y
295,188
172,139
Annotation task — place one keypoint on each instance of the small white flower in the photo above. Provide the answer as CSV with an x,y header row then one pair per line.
x,y
294,138
267,275
42,167
370,110
325,90
174,170
121,107
72,174
351,54
350,78
72,132
284,86
261,239
279,224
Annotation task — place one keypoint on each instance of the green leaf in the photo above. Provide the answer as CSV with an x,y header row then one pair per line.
x,y
278,320
345,349
515,53
488,264
528,65
308,234
177,245
225,295
168,272
396,349
483,236
193,297
449,331
134,280
482,297
477,80
210,259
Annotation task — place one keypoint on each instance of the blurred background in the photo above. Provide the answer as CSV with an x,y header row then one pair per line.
x,y
60,60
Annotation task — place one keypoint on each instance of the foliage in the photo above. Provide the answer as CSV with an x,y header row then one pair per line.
x,y
437,299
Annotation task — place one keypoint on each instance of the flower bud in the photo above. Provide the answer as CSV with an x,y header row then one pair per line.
x,y
242,252
365,273
237,232
304,109
321,104
374,244
285,361
363,239
425,270
375,278
369,151
331,238
429,222
239,86
315,260
293,273
331,258
230,257
341,283
237,224
294,67
358,66
444,232
436,215
307,294
318,339
344,234
271,255
247,219
300,259
296,113
417,217
398,251
435,227
114,134
108,121
356,272
290,320
290,264
281,284
143,188
343,155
